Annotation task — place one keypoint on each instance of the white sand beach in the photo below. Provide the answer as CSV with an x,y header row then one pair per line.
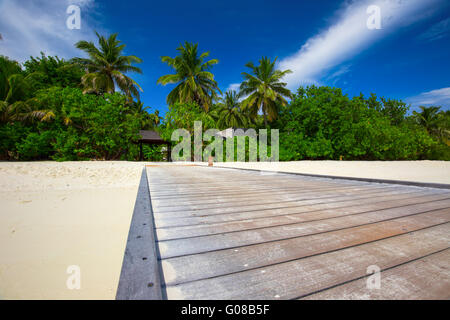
x,y
54,215
417,171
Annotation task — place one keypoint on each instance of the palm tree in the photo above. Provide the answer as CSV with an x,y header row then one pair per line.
x,y
428,118
229,113
7,68
15,102
264,90
195,82
106,67
149,120
8,112
138,107
23,111
434,121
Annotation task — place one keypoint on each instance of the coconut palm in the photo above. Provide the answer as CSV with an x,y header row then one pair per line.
x,y
15,101
149,120
106,67
229,113
264,90
434,121
428,118
138,107
194,81
23,111
8,112
7,68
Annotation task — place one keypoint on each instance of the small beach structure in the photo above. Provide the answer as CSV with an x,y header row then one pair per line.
x,y
152,137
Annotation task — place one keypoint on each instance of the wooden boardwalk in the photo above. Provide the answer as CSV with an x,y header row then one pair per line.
x,y
236,234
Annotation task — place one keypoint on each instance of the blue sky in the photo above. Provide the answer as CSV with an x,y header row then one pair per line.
x,y
323,42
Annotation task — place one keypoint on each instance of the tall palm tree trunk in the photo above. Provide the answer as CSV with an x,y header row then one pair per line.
x,y
264,114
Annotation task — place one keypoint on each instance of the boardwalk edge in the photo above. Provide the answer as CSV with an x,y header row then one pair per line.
x,y
140,277
387,181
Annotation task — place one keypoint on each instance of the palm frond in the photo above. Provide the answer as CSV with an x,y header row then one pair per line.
x,y
106,67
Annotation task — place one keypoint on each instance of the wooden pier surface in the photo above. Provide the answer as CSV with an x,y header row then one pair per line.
x,y
236,234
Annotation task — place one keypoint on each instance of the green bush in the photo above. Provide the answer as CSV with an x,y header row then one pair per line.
x,y
36,146
323,123
53,119
96,126
152,152
83,127
12,134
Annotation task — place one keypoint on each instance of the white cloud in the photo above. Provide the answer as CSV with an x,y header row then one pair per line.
x,y
29,27
233,86
83,3
335,76
349,36
437,31
438,97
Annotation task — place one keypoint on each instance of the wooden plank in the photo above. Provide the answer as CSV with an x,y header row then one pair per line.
x,y
327,198
309,209
230,189
140,277
239,194
201,194
177,247
297,278
183,181
188,184
193,189
219,263
230,234
166,178
351,207
424,279
267,202
266,198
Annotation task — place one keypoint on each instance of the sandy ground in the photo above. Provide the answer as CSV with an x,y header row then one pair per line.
x,y
55,215
418,171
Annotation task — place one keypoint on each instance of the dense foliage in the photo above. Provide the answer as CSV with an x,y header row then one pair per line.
x,y
194,81
44,114
52,108
322,123
82,127
264,89
106,67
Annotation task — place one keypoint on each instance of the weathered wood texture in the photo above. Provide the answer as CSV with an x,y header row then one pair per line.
x,y
236,234
140,277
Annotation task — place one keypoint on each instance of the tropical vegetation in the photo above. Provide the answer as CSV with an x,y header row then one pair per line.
x,y
90,108
195,82
265,91
229,112
106,67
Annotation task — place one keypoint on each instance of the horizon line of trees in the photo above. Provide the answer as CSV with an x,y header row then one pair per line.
x,y
60,109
